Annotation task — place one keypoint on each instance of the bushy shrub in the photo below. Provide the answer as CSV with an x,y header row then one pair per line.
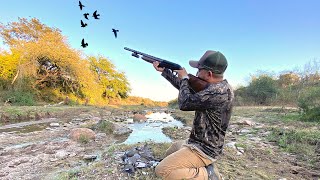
x,y
173,103
309,103
105,126
262,89
21,98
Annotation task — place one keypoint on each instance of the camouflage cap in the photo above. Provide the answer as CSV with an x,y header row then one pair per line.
x,y
214,61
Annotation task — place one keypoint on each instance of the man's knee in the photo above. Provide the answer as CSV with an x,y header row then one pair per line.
x,y
174,147
159,170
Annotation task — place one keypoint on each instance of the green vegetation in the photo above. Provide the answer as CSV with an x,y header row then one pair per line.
x,y
20,98
69,175
262,89
297,89
105,126
309,102
297,141
83,139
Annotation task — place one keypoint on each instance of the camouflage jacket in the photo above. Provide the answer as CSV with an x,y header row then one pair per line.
x,y
212,106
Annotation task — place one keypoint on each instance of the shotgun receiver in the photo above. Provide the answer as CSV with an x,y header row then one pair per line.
x,y
195,83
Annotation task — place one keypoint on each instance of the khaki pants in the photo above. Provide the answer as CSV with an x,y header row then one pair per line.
x,y
184,163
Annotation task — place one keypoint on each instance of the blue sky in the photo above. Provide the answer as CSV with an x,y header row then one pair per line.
x,y
271,35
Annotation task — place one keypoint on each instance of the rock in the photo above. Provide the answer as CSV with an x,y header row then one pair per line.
x,y
248,122
53,159
244,131
76,133
18,161
240,149
61,154
131,152
245,122
66,125
85,116
265,134
139,118
129,168
90,157
239,153
130,121
54,125
120,129
137,158
96,118
231,145
100,136
36,160
255,139
107,113
140,165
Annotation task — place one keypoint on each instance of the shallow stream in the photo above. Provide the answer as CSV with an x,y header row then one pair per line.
x,y
146,131
150,131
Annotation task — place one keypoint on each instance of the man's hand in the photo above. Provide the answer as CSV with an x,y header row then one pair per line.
x,y
181,73
156,64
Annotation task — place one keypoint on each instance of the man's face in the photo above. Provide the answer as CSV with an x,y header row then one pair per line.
x,y
203,73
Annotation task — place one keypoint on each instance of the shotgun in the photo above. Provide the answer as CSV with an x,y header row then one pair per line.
x,y
195,83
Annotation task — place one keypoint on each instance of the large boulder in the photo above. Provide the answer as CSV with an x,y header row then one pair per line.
x,y
77,133
120,129
139,118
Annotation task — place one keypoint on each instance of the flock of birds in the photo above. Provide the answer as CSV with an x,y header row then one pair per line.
x,y
96,16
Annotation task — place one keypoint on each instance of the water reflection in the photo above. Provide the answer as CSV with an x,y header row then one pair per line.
x,y
150,131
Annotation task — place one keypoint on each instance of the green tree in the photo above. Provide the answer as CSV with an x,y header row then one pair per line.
x,y
309,103
262,89
241,96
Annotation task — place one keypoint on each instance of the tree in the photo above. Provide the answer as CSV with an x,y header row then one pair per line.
x,y
241,95
114,83
47,64
262,88
311,73
309,103
43,53
288,79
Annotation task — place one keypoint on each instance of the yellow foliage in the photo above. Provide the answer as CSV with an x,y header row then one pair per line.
x,y
9,65
133,100
288,79
33,44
